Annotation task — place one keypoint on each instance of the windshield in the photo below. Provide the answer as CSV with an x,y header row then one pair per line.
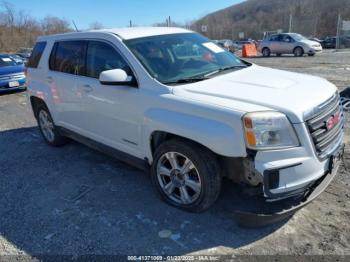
x,y
174,57
6,61
298,37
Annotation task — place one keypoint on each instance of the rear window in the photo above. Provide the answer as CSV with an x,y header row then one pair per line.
x,y
67,57
38,50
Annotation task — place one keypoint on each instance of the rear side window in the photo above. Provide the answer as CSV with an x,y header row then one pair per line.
x,y
34,59
274,38
67,57
101,57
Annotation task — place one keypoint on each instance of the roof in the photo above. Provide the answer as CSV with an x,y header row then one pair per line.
x,y
138,32
129,32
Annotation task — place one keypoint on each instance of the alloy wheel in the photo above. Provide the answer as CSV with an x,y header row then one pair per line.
x,y
179,178
46,125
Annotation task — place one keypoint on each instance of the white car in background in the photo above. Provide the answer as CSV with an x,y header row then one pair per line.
x,y
289,43
171,100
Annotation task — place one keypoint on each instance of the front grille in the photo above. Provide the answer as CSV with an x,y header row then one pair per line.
x,y
12,77
326,139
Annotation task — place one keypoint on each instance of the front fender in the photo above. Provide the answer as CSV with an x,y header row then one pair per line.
x,y
221,138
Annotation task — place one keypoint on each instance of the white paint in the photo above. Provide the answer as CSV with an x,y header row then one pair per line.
x,y
209,112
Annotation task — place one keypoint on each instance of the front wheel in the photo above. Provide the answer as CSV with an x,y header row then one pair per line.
x,y
298,51
186,175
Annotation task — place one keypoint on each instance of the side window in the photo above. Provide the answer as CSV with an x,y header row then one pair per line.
x,y
274,38
67,57
286,38
38,50
101,57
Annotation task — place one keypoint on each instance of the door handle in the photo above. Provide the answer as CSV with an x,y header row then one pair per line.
x,y
87,88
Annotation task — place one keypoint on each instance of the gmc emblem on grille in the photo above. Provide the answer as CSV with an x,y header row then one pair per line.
x,y
333,121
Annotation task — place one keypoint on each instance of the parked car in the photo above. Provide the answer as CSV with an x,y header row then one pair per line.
x,y
289,43
315,39
329,42
19,60
24,57
11,74
240,43
25,52
191,118
227,44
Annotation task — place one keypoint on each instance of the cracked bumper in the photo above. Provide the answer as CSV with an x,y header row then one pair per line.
x,y
272,212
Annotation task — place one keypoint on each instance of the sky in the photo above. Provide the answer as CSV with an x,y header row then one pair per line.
x,y
118,13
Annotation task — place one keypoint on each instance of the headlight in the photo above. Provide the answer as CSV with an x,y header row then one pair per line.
x,y
269,130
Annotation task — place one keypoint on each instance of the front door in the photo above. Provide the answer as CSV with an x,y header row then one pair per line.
x,y
110,113
287,44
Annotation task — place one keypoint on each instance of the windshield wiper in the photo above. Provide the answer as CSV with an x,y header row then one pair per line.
x,y
227,68
186,80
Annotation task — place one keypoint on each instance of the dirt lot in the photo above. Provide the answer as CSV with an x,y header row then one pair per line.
x,y
75,201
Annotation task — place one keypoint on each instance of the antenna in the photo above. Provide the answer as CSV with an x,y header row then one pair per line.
x,y
76,28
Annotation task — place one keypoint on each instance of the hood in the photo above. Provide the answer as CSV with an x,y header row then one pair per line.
x,y
258,88
11,69
310,42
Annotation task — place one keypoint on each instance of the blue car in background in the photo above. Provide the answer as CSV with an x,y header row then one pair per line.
x,y
12,75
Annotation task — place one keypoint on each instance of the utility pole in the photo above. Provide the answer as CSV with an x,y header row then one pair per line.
x,y
290,22
338,31
130,23
169,21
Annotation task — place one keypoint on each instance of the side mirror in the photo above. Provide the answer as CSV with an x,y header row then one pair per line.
x,y
117,77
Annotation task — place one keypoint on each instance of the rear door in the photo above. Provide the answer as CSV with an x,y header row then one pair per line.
x,y
66,60
274,44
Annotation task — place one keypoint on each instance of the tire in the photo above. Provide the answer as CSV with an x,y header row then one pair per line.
x,y
266,52
298,51
201,179
48,129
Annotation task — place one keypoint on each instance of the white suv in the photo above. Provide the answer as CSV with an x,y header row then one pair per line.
x,y
171,100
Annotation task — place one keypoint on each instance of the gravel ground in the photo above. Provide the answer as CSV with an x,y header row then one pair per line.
x,y
75,201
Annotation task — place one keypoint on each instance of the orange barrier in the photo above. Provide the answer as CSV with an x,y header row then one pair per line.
x,y
249,50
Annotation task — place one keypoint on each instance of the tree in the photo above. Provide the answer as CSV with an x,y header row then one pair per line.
x,y
96,25
54,25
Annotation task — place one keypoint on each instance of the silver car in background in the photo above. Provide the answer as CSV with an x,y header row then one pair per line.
x,y
288,43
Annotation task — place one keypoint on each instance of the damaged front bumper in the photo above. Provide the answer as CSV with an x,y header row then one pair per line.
x,y
269,212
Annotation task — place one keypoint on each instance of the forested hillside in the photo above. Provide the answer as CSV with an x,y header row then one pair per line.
x,y
253,17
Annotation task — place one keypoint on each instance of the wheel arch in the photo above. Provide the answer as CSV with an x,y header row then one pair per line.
x,y
219,137
159,137
35,103
299,46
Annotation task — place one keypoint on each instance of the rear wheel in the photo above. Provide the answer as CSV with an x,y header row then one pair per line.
x,y
186,175
298,51
266,52
47,127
